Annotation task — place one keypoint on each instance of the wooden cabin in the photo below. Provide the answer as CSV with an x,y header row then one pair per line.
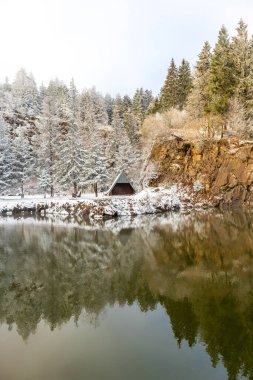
x,y
121,186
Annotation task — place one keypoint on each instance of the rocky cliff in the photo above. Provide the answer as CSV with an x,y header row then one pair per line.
x,y
219,171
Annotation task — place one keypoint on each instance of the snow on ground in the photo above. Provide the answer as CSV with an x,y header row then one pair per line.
x,y
149,201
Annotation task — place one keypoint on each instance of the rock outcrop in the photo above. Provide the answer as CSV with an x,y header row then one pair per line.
x,y
219,171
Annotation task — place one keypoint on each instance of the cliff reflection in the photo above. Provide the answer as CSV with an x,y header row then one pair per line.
x,y
198,267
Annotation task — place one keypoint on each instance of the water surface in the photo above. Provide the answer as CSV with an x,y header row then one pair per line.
x,y
165,297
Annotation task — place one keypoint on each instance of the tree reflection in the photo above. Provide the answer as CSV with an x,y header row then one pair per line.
x,y
199,271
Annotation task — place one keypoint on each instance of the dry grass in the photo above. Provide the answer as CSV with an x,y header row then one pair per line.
x,y
175,122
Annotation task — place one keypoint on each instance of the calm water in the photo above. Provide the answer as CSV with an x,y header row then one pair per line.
x,y
167,297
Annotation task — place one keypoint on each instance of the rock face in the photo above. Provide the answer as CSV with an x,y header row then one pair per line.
x,y
221,171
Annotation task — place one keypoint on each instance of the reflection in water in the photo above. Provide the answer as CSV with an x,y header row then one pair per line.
x,y
198,267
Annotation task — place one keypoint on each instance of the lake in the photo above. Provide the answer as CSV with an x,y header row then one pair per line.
x,y
155,297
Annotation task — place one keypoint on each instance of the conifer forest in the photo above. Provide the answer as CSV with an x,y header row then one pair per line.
x,y
55,138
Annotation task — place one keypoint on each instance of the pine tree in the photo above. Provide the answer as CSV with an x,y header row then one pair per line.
x,y
93,111
52,127
130,126
147,99
118,109
22,158
154,107
199,99
6,171
41,96
24,90
109,107
142,100
138,109
71,164
184,83
241,50
222,74
169,91
127,104
87,112
97,162
72,155
125,141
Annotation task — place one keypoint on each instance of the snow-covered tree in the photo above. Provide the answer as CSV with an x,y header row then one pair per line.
x,y
25,93
71,167
50,134
98,161
6,172
109,102
22,158
93,110
72,160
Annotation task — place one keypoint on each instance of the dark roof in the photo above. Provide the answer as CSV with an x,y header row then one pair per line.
x,y
121,178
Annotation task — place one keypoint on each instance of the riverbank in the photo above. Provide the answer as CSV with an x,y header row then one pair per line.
x,y
149,201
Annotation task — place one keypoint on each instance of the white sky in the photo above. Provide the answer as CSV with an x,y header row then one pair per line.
x,y
116,45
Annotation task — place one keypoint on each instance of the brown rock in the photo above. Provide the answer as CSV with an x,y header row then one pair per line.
x,y
224,167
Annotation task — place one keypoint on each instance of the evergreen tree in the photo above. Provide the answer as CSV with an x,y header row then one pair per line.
x,y
72,155
87,112
141,103
41,96
199,98
243,62
22,158
118,109
125,141
93,110
222,74
127,104
138,109
155,106
6,173
130,126
99,107
25,93
184,83
169,91
147,99
109,107
71,164
50,135
97,162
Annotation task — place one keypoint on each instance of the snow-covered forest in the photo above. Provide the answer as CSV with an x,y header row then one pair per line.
x,y
55,138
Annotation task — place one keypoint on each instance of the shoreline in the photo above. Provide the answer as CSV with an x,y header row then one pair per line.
x,y
149,201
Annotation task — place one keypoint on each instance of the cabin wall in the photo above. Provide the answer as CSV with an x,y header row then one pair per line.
x,y
122,189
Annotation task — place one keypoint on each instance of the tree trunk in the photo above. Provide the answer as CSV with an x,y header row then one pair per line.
x,y
75,188
51,191
95,187
222,132
22,189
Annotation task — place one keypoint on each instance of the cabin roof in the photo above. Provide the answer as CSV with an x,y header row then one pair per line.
x,y
121,178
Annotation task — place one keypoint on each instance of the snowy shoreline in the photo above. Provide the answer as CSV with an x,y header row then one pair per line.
x,y
149,201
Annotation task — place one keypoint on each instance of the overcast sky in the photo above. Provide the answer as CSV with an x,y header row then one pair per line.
x,y
116,45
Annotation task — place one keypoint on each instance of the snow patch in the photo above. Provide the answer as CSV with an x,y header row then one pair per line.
x,y
148,201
